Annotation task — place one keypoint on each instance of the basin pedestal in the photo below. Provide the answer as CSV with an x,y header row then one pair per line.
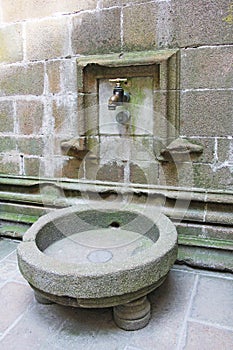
x,y
42,300
130,316
134,315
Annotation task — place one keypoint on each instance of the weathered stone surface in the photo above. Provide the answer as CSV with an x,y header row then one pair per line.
x,y
88,121
203,176
218,232
198,23
112,284
61,75
56,327
65,114
11,43
74,147
168,175
54,76
210,305
12,313
51,164
176,174
146,173
8,270
201,336
187,230
210,237
206,113
126,149
208,144
70,168
7,143
225,150
208,67
114,149
206,176
22,9
111,171
32,166
219,259
32,146
12,230
134,315
10,164
52,39
110,3
40,325
30,117
223,177
219,213
69,76
137,174
6,116
181,150
97,32
140,27
7,247
22,80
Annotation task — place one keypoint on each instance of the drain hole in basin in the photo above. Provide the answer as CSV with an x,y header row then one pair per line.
x,y
99,256
114,224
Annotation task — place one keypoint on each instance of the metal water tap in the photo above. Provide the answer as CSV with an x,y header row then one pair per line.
x,y
119,96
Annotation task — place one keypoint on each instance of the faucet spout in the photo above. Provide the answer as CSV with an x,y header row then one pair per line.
x,y
118,96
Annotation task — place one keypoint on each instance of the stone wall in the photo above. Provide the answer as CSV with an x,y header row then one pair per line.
x,y
40,107
40,42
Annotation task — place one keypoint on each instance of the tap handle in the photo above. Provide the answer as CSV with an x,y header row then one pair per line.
x,y
118,81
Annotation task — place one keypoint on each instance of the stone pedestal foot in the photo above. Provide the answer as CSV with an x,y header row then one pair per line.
x,y
41,299
132,316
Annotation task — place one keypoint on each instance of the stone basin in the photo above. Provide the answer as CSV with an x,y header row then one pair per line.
x,y
88,257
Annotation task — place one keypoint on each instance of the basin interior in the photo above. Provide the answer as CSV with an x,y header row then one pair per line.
x,y
96,236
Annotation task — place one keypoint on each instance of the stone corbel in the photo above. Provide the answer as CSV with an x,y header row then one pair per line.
x,y
181,150
75,147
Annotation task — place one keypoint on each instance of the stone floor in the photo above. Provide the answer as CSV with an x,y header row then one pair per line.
x,y
192,310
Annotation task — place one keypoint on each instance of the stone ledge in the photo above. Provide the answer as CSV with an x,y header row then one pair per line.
x,y
203,241
128,58
207,258
199,205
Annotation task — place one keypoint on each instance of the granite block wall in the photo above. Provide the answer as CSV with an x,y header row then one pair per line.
x,y
39,44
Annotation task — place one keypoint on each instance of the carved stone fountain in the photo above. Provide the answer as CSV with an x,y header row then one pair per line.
x,y
95,258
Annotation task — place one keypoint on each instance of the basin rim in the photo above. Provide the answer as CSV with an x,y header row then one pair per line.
x,y
77,280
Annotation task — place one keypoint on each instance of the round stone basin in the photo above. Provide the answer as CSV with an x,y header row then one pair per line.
x,y
99,246
87,257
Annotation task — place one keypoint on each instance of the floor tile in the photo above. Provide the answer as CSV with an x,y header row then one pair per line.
x,y
78,330
14,300
110,336
203,337
7,246
169,304
39,324
214,301
191,310
13,256
8,270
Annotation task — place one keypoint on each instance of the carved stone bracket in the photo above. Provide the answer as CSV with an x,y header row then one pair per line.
x,y
75,147
181,150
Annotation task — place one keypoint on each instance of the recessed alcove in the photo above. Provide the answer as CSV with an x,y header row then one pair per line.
x,y
152,82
